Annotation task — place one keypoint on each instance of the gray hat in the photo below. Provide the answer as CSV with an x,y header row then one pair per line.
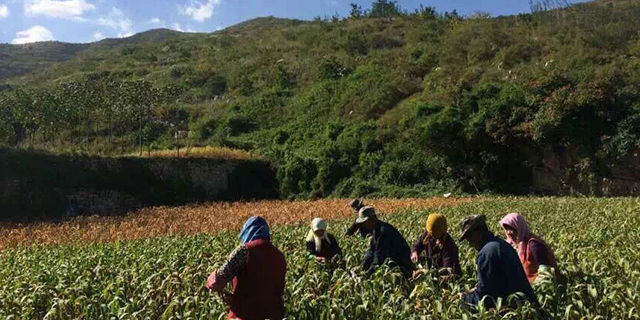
x,y
471,223
356,204
365,213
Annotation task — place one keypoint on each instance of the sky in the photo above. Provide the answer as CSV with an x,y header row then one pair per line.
x,y
82,21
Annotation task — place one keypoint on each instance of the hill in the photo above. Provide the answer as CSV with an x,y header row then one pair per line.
x,y
383,102
17,60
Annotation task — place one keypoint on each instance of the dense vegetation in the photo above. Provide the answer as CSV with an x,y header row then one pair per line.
x,y
382,102
164,278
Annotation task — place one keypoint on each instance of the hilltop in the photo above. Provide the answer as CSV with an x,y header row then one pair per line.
x,y
386,102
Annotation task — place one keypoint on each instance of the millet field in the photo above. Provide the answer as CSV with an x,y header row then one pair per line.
x,y
154,275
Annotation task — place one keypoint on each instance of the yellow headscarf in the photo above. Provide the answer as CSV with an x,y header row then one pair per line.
x,y
436,225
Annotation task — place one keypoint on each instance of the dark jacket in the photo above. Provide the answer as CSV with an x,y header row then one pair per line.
x,y
445,257
258,289
388,243
356,228
327,250
500,273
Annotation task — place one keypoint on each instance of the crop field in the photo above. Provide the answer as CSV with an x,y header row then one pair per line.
x,y
596,241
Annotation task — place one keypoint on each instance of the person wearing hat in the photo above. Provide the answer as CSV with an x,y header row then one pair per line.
x,y
441,250
500,272
321,245
386,243
356,205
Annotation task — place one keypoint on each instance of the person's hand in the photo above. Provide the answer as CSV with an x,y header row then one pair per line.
x,y
414,257
321,259
456,297
226,297
211,280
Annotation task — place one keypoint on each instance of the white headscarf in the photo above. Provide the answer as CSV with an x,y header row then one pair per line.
x,y
318,224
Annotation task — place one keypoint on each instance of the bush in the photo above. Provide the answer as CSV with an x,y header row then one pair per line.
x,y
236,124
216,85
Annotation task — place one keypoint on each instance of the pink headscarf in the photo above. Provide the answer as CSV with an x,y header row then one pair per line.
x,y
519,223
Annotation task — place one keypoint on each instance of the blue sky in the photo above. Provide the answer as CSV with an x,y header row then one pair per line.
x,y
24,21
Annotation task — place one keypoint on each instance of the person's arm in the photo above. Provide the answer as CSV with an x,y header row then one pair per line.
x,y
311,249
218,280
540,253
487,280
353,229
380,253
368,259
418,247
451,259
335,246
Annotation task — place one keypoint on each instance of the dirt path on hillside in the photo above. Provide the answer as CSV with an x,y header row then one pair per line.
x,y
197,219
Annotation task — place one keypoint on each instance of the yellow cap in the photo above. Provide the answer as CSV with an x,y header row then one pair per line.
x,y
436,225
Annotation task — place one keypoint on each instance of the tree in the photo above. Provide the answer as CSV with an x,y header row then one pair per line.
x,y
356,11
426,13
385,9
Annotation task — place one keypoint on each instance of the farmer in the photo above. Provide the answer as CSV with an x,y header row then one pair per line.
x,y
356,205
532,250
386,243
257,269
500,273
440,248
321,245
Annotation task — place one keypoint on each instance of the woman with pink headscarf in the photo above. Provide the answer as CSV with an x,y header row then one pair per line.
x,y
533,251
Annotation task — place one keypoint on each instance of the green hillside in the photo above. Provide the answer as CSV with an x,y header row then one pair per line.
x,y
383,102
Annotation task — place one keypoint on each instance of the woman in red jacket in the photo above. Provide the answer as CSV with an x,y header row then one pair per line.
x,y
257,269
533,251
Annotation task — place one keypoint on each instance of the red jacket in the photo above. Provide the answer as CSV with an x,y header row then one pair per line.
x,y
530,265
258,289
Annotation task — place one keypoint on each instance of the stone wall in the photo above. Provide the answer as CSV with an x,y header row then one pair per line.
x,y
563,173
36,186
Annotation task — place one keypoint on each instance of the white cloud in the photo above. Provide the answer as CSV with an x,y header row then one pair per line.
x,y
156,21
4,11
199,11
69,9
176,26
98,36
33,34
116,19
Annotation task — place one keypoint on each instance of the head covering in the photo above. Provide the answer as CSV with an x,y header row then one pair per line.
x,y
255,228
436,225
471,223
318,224
519,223
365,213
356,204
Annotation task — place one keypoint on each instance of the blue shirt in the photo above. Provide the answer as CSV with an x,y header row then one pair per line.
x,y
388,243
500,274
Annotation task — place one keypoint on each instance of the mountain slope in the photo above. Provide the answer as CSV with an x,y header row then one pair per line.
x,y
17,60
411,103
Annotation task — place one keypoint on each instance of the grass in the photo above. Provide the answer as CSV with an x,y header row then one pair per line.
x,y
200,152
